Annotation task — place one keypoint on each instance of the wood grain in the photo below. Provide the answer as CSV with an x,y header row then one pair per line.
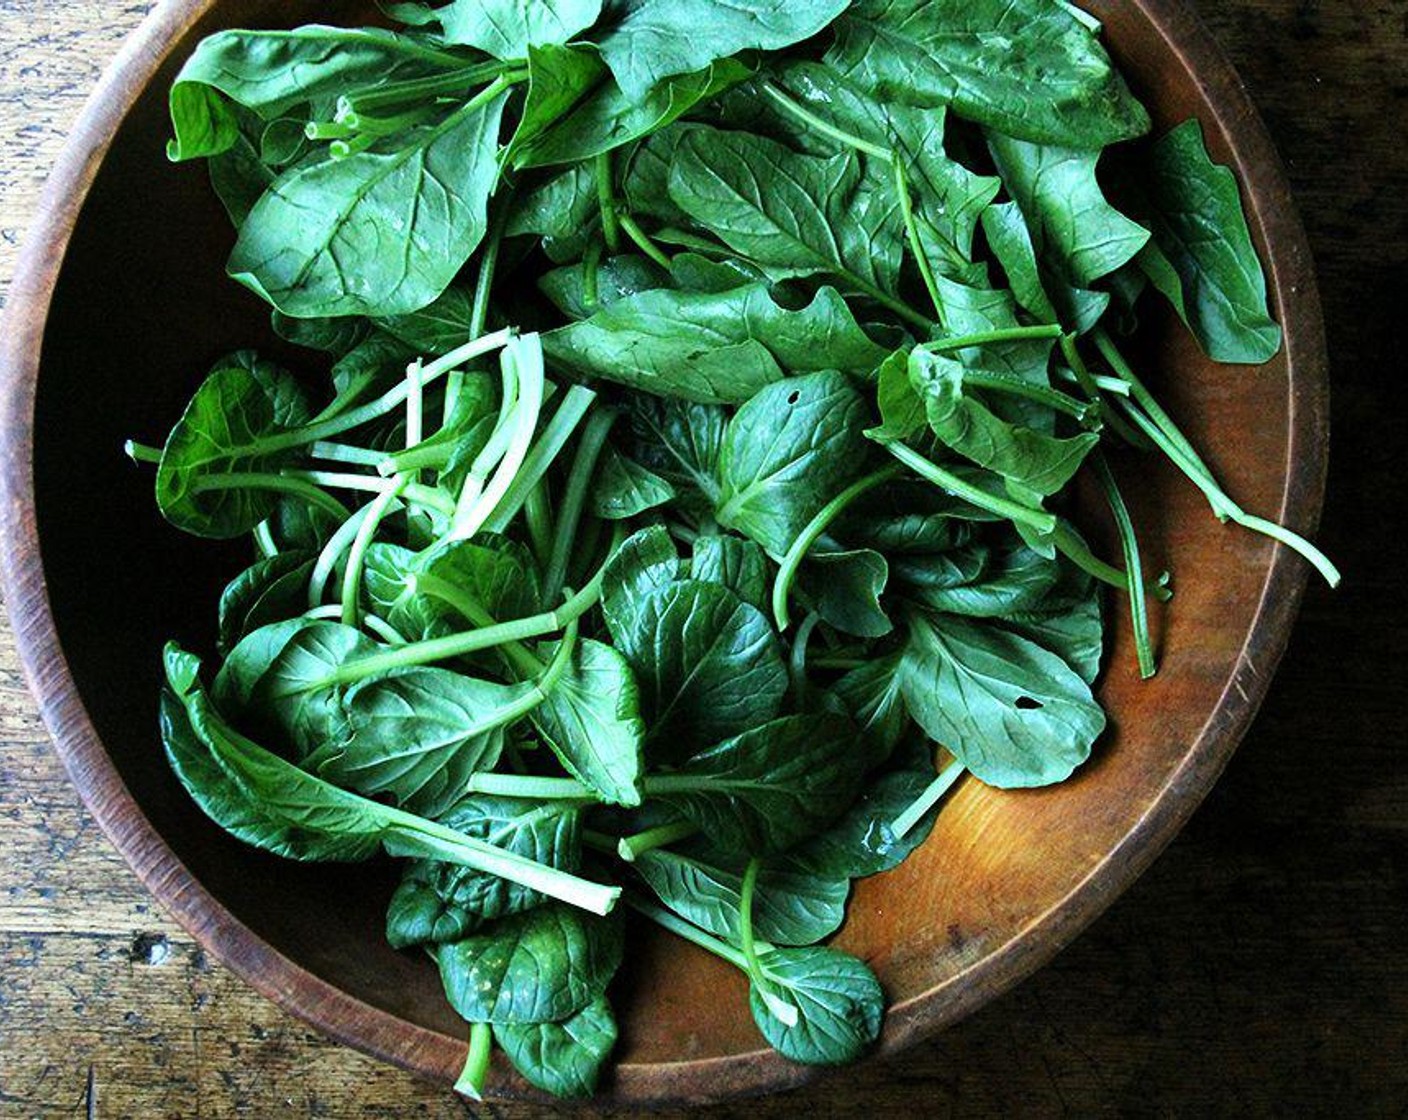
x,y
1256,967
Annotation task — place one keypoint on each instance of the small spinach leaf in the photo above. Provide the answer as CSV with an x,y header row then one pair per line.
x,y
839,1005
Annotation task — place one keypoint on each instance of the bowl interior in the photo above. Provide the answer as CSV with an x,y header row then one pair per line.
x,y
142,307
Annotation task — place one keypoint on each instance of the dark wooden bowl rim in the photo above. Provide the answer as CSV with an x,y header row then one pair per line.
x,y
386,1036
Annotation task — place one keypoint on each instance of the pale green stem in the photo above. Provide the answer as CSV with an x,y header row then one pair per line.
x,y
277,483
332,552
389,401
346,453
631,848
1039,520
527,353
928,799
544,453
264,540
475,1073
691,933
377,509
784,1012
141,452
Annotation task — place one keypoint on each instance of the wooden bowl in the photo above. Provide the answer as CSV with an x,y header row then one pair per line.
x,y
120,304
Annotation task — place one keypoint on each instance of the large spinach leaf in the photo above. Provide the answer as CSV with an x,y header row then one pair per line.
x,y
786,454
1072,224
792,906
708,663
377,232
771,786
796,214
1028,68
1215,280
713,347
838,1002
646,41
224,436
540,966
271,72
1013,713
439,902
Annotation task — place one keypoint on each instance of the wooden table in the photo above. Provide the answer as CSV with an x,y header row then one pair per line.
x,y
1259,968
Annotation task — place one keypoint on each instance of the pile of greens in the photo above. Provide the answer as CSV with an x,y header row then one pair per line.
x,y
711,376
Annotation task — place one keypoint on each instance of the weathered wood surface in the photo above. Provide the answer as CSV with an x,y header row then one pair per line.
x,y
1258,968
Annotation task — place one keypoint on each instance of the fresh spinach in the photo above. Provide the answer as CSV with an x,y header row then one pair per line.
x,y
690,483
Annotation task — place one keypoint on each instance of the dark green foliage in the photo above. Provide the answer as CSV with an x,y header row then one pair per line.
x,y
688,475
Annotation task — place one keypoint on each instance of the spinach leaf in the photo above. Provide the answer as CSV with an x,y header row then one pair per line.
x,y
564,1058
951,197
738,564
1039,463
617,278
562,210
871,694
713,347
1028,68
269,678
1011,242
708,663
495,571
1068,623
436,328
764,790
592,722
239,177
1010,580
270,590
791,907
417,735
863,841
271,72
972,310
846,588
646,561
838,1001
233,807
786,453
1215,280
796,214
440,902
646,41
377,232
540,966
223,432
610,118
1013,713
680,441
508,28
286,810
623,488
558,79
1071,223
